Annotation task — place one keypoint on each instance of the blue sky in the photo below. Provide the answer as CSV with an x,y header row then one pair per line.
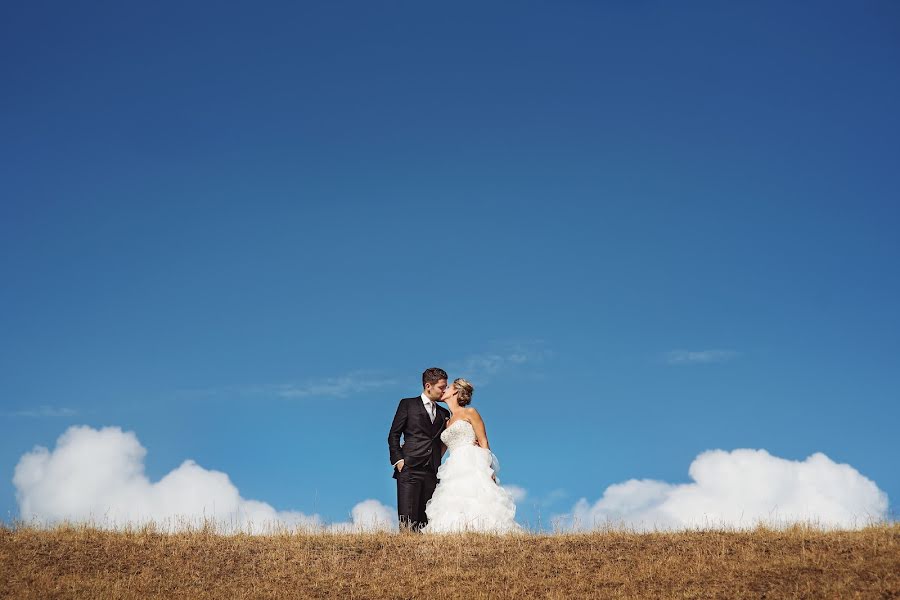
x,y
243,231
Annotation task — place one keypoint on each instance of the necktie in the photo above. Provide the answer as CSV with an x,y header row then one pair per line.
x,y
431,410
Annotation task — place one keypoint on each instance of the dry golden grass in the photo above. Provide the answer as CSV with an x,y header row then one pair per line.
x,y
801,562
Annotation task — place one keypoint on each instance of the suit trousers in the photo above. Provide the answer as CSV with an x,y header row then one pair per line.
x,y
415,486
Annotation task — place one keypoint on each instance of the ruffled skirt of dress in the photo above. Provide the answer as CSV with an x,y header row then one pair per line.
x,y
467,498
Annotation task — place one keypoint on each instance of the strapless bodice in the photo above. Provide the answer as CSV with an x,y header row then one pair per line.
x,y
457,436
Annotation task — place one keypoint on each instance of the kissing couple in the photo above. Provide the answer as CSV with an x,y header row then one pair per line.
x,y
463,493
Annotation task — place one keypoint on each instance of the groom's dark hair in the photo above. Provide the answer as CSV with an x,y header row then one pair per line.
x,y
433,375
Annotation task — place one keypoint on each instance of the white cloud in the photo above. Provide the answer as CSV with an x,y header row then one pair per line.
x,y
518,492
480,368
334,387
97,475
351,384
368,515
739,489
44,411
694,357
342,386
552,497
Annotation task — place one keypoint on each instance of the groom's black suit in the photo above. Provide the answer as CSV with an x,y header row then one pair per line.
x,y
421,454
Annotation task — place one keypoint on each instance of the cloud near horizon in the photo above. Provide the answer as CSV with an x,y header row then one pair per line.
x,y
738,489
517,492
97,476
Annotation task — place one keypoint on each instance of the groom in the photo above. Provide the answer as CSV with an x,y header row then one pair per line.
x,y
420,420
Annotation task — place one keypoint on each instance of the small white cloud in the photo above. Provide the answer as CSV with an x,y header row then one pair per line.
x,y
44,411
369,515
517,492
696,357
739,489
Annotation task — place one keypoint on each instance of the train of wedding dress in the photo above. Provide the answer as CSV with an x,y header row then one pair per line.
x,y
467,498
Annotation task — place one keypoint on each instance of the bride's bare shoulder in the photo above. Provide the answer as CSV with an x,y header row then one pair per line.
x,y
472,413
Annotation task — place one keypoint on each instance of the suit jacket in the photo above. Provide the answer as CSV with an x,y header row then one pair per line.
x,y
421,437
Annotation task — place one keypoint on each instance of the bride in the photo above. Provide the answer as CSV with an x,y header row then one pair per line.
x,y
468,496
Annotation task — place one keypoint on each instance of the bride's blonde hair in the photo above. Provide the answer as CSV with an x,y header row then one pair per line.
x,y
465,390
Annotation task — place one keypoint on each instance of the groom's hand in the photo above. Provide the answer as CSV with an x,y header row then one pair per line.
x,y
400,464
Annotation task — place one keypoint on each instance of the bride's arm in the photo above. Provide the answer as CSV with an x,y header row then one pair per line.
x,y
478,425
480,433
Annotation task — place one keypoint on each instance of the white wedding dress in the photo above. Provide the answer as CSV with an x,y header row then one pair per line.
x,y
466,497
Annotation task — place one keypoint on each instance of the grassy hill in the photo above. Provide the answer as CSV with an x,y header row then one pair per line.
x,y
85,562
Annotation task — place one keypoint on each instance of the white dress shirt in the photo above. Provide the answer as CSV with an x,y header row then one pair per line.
x,y
428,408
